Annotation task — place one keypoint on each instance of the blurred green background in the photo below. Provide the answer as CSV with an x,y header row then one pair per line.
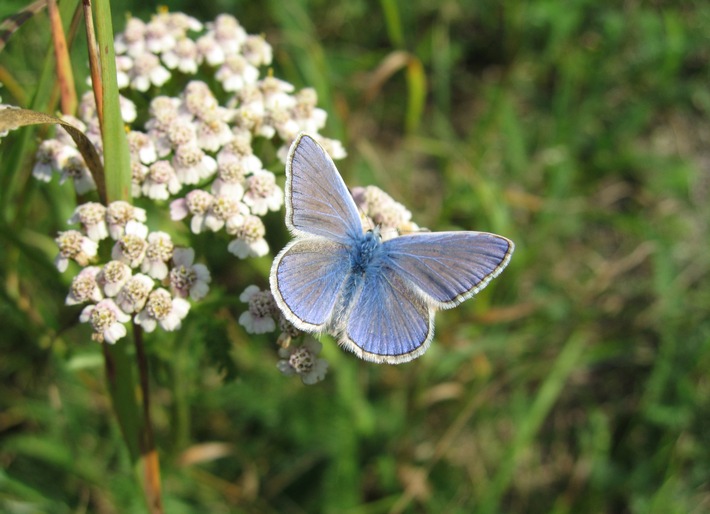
x,y
575,383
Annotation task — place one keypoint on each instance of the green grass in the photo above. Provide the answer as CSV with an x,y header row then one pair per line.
x,y
576,383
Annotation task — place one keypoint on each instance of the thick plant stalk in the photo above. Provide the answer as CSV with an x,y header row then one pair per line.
x,y
135,421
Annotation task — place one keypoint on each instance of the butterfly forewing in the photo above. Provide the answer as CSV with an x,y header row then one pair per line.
x,y
317,200
448,267
306,279
389,322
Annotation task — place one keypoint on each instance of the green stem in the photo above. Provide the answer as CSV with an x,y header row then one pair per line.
x,y
135,423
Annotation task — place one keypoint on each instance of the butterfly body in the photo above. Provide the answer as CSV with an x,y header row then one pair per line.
x,y
378,297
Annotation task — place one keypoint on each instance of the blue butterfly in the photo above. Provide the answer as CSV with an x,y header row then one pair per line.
x,y
377,297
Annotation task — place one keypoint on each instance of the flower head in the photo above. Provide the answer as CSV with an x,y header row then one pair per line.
x,y
164,310
118,214
186,278
250,240
157,254
262,194
134,293
113,276
106,319
303,361
73,245
161,181
92,217
131,247
84,287
259,319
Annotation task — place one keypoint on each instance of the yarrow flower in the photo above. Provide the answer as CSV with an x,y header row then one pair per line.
x,y
303,361
118,214
250,240
134,293
131,247
84,287
107,321
259,319
188,279
380,209
92,217
159,251
164,310
73,245
113,276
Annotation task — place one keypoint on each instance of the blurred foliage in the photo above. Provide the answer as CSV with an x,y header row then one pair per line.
x,y
577,382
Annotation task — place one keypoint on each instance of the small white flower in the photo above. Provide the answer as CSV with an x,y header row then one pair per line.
x,y
229,33
46,163
107,321
75,168
164,310
187,278
192,164
308,117
225,209
179,23
259,319
262,194
158,37
197,203
84,287
213,134
184,56
250,240
161,181
92,216
210,49
147,71
113,276
133,295
238,154
157,254
236,72
142,147
181,132
277,94
73,245
196,97
132,40
257,51
304,362
131,247
118,214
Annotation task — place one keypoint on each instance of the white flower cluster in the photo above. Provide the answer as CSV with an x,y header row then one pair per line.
x,y
377,208
148,277
260,318
193,150
193,145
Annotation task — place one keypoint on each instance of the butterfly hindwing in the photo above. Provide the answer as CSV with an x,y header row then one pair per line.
x,y
389,321
306,279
